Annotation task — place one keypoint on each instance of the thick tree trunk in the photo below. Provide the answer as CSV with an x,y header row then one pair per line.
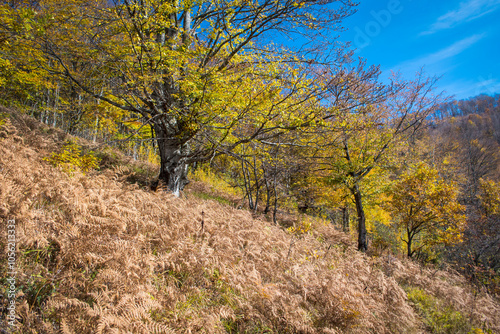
x,y
362,243
173,153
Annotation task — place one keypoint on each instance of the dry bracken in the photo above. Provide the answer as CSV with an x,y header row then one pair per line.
x,y
99,255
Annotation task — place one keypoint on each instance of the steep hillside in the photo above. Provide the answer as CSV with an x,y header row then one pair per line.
x,y
97,254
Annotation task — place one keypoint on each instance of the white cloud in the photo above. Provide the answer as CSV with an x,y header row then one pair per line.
x,y
435,58
467,11
488,85
462,89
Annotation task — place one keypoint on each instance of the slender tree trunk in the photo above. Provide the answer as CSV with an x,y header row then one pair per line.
x,y
46,114
362,243
345,219
409,243
248,183
257,185
275,211
135,154
268,195
96,129
56,106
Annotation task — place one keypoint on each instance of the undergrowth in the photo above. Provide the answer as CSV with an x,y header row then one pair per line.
x,y
70,159
99,254
438,315
209,178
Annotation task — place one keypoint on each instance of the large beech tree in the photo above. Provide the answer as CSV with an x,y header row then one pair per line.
x,y
198,72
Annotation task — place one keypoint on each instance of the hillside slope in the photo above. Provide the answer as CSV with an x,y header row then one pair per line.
x,y
96,254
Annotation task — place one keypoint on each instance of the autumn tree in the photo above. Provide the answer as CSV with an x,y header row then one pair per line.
x,y
20,81
471,141
462,145
197,72
481,104
477,255
484,235
425,208
364,121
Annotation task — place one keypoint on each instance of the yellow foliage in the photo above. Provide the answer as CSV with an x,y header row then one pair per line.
x,y
308,225
425,207
70,159
302,228
490,196
207,176
377,213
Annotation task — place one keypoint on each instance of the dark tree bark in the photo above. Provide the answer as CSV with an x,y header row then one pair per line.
x,y
362,242
408,244
268,196
345,219
173,159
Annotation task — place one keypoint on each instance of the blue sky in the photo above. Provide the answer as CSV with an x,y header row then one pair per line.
x,y
458,40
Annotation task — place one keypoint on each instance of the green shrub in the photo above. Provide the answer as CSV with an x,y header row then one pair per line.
x,y
437,315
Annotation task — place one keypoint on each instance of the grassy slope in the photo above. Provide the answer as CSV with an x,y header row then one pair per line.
x,y
97,254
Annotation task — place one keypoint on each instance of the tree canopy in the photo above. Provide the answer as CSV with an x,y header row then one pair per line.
x,y
195,71
425,209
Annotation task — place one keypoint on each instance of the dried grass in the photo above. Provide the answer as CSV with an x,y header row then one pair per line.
x,y
481,309
113,258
